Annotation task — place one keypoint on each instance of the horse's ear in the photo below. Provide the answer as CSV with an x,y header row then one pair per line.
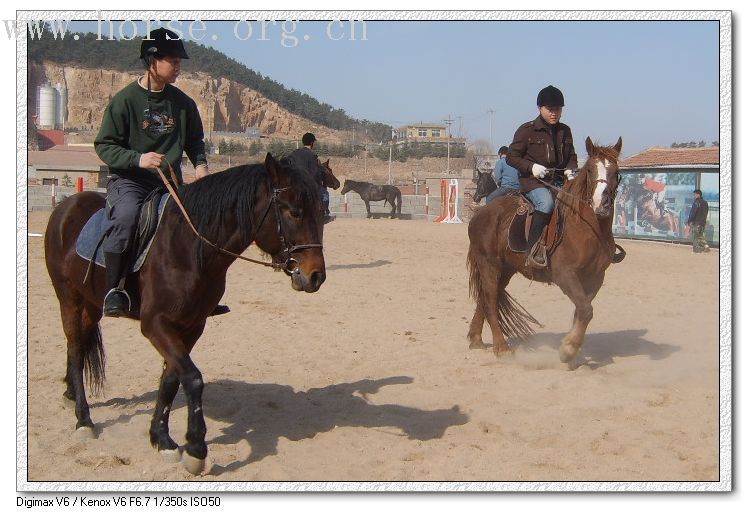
x,y
327,162
272,167
618,145
589,145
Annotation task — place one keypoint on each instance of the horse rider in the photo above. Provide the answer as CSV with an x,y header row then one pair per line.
x,y
505,176
305,159
543,153
146,124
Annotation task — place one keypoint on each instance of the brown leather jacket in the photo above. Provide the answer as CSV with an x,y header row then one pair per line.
x,y
533,144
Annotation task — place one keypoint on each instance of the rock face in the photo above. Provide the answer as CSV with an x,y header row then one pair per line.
x,y
224,105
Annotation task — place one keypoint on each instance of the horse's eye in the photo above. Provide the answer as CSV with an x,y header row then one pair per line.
x,y
296,214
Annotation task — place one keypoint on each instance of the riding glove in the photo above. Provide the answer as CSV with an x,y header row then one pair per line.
x,y
539,171
570,174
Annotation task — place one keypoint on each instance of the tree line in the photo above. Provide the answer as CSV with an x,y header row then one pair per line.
x,y
280,148
692,144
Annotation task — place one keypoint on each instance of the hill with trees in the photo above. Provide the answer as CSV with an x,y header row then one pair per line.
x,y
92,53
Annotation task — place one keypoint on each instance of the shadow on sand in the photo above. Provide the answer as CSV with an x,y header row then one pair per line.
x,y
263,413
600,349
373,264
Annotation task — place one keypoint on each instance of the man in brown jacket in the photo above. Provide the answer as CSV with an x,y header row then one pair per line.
x,y
543,153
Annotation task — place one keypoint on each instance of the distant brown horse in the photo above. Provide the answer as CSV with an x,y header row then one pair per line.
x,y
182,280
370,192
577,265
328,178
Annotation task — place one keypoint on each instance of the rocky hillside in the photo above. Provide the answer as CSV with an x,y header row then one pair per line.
x,y
224,105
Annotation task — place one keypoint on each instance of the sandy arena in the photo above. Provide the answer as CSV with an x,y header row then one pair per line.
x,y
371,378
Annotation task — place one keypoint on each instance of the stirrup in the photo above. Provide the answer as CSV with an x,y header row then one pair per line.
x,y
537,257
116,310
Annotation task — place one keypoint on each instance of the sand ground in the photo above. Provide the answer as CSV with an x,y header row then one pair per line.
x,y
371,379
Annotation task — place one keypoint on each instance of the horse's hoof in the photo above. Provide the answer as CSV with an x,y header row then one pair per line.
x,y
171,456
192,464
476,345
503,351
67,403
85,433
566,354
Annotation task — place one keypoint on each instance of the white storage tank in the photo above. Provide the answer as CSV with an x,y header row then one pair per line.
x,y
61,106
47,101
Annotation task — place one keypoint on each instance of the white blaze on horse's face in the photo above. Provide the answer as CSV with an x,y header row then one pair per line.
x,y
602,183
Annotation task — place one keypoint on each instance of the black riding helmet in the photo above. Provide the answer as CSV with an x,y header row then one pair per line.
x,y
550,97
162,43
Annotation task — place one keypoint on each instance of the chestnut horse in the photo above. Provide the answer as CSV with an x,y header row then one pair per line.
x,y
577,265
183,279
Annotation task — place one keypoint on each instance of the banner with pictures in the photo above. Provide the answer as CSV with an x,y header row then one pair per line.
x,y
654,205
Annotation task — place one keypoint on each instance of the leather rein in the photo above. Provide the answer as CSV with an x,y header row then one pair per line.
x,y
289,265
617,256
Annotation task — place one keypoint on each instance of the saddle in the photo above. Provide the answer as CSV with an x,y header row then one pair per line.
x,y
519,229
92,235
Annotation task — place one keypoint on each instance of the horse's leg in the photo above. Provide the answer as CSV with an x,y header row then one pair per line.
x,y
368,209
491,284
80,322
174,345
391,200
159,431
582,299
475,333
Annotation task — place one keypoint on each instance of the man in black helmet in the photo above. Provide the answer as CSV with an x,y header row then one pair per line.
x,y
146,124
305,159
543,153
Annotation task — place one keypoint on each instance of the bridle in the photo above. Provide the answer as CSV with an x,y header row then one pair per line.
x,y
289,264
587,201
618,256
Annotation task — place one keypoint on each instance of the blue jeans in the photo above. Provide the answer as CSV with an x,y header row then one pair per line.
x,y
501,191
541,199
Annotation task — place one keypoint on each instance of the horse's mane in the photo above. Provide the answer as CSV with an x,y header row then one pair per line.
x,y
234,192
580,189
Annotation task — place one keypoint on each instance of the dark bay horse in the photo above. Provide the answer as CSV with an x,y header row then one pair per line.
x,y
370,192
183,279
577,265
484,185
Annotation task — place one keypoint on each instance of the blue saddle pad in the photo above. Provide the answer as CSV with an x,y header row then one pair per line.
x,y
88,245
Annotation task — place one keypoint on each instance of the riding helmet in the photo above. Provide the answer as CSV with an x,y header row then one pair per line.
x,y
161,43
550,97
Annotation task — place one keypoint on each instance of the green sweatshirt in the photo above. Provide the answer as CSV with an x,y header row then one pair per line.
x,y
132,125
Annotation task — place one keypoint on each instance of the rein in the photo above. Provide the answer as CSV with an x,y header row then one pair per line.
x,y
274,199
617,256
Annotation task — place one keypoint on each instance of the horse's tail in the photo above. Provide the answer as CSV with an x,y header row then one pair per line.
x,y
399,199
513,318
94,361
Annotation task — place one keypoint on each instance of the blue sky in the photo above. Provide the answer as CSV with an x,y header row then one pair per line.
x,y
651,82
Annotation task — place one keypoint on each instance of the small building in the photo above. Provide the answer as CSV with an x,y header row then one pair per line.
x,y
656,193
63,165
425,132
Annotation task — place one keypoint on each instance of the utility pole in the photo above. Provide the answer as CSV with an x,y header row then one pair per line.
x,y
459,134
490,127
449,122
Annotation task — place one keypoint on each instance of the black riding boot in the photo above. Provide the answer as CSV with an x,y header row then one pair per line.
x,y
536,256
117,301
327,217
